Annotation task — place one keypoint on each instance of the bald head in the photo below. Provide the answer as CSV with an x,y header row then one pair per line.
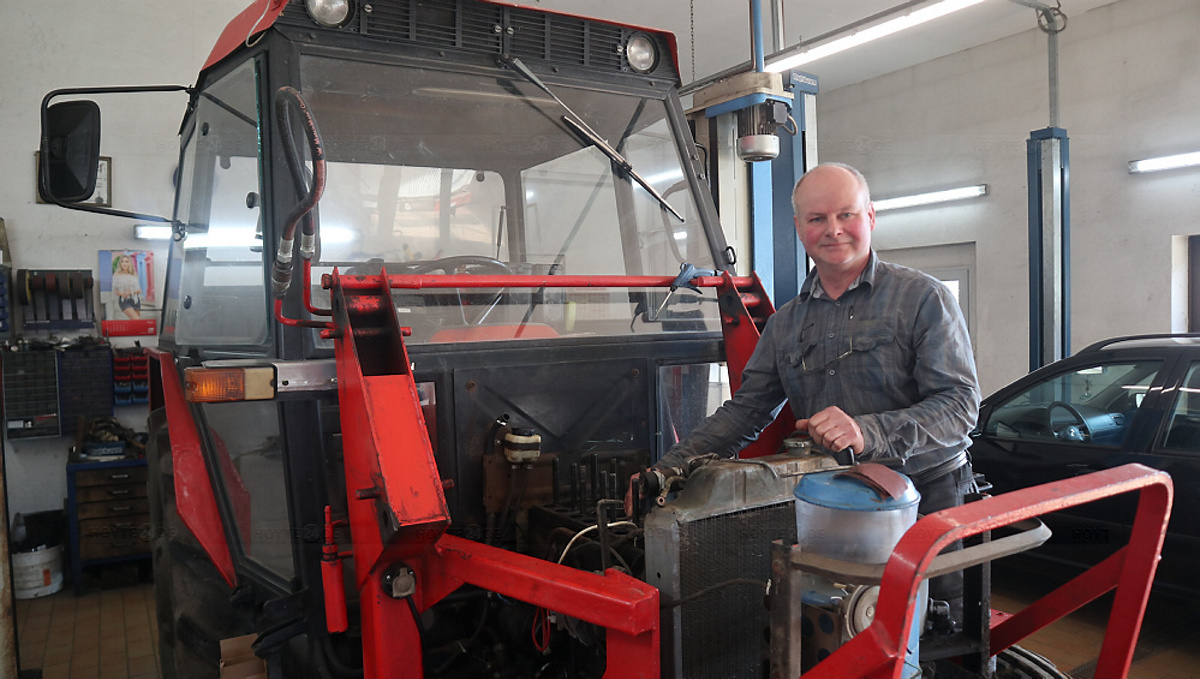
x,y
826,170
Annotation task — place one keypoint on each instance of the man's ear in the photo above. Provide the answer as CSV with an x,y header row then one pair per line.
x,y
871,214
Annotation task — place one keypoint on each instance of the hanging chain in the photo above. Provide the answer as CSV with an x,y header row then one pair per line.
x,y
1052,19
692,16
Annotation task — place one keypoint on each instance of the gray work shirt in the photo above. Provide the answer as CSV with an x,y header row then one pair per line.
x,y
892,352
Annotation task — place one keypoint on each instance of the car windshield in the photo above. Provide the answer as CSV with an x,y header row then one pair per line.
x,y
433,171
1093,404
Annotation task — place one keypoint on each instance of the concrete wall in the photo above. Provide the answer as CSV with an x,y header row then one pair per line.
x,y
72,43
1129,88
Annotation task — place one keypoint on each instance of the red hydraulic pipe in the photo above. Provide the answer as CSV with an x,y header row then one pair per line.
x,y
300,323
308,303
419,282
331,579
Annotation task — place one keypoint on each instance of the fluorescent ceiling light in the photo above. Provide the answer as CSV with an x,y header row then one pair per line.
x,y
147,232
865,35
931,197
1165,162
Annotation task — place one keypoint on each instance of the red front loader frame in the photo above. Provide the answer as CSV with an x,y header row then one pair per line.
x,y
879,650
398,513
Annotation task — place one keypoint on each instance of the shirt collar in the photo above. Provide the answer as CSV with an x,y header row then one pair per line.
x,y
812,283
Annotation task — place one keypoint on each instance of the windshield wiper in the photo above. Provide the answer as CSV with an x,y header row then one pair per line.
x,y
575,122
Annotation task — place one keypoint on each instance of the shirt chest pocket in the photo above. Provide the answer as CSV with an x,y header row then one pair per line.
x,y
864,344
872,344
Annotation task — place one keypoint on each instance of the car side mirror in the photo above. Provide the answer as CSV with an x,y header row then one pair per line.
x,y
70,151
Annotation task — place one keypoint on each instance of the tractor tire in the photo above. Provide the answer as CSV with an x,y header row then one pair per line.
x,y
1020,663
194,603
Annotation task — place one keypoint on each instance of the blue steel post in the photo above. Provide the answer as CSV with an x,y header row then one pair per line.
x,y
1049,246
763,256
787,254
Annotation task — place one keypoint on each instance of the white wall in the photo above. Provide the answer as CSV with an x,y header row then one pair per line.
x,y
72,43
1129,88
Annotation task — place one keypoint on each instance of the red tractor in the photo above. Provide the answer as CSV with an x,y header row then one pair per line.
x,y
444,275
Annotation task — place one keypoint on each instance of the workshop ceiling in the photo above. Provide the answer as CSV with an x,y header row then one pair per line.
x,y
722,31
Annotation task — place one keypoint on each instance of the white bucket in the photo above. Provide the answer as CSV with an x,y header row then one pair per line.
x,y
37,573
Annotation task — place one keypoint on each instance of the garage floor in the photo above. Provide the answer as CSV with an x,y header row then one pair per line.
x,y
109,634
1166,646
112,634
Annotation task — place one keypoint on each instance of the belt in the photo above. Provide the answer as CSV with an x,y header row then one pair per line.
x,y
940,469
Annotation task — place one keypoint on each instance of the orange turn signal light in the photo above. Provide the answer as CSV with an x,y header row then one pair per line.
x,y
216,385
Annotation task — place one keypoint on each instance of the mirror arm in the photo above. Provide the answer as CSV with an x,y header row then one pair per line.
x,y
44,150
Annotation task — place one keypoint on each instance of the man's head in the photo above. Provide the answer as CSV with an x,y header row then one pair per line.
x,y
834,218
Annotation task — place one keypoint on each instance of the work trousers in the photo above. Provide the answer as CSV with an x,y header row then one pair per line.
x,y
944,492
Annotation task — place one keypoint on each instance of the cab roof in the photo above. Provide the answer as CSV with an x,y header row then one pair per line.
x,y
262,14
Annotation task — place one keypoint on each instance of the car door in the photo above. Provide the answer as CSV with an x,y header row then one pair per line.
x,y
1176,450
1079,417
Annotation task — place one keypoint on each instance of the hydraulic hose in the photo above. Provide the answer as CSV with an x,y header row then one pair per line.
x,y
281,274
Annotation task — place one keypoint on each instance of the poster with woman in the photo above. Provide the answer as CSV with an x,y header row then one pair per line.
x,y
127,292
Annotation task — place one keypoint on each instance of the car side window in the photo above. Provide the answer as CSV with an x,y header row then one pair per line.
x,y
1093,405
1183,432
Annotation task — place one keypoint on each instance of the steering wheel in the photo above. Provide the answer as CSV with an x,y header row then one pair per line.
x,y
471,264
1074,432
474,264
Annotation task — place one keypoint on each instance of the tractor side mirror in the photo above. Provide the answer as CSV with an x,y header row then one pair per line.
x,y
70,151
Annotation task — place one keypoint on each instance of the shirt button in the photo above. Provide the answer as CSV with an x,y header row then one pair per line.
x,y
831,372
830,335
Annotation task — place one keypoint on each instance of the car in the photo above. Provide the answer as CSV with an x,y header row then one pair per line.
x,y
1120,400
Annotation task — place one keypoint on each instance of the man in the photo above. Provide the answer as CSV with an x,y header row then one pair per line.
x,y
873,357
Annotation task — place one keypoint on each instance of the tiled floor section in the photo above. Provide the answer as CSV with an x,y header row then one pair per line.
x,y
107,634
1166,645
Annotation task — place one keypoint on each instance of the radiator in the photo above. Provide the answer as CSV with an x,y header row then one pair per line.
x,y
720,528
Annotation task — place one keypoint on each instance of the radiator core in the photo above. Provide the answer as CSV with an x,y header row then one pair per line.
x,y
718,532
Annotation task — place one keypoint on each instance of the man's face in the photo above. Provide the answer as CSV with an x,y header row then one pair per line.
x,y
834,219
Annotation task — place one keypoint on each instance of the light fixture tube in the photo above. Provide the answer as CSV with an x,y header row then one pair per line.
x,y
961,193
1165,162
865,35
149,232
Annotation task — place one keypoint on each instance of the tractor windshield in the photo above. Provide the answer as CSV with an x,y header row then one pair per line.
x,y
433,171
443,169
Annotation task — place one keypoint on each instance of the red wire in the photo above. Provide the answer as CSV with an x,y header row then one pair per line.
x,y
541,622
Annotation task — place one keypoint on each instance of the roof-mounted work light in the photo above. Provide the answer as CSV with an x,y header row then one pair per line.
x,y
641,53
329,13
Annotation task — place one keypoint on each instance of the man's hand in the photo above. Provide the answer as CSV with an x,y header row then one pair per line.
x,y
629,494
833,430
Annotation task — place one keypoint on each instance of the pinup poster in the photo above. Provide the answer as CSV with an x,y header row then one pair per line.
x,y
127,293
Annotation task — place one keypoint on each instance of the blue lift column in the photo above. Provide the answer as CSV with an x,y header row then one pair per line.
x,y
774,238
1049,171
775,251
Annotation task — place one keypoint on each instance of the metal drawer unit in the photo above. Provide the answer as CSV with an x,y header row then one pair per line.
x,y
108,514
